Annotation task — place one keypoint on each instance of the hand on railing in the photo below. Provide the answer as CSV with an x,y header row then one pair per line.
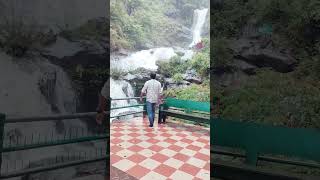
x,y
100,117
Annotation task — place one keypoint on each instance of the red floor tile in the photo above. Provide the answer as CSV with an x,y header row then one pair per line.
x,y
116,141
165,170
135,141
153,141
202,157
175,148
194,148
203,141
137,158
169,140
159,157
207,167
181,157
134,134
135,148
138,171
190,169
115,148
117,134
156,148
188,141
114,158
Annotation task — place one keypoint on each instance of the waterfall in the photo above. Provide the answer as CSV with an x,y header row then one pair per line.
x,y
121,89
146,59
199,19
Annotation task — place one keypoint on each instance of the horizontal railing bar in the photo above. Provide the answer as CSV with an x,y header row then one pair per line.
x,y
269,159
56,143
123,107
49,118
59,166
128,114
126,98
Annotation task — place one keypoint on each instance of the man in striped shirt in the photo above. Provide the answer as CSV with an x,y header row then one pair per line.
x,y
152,90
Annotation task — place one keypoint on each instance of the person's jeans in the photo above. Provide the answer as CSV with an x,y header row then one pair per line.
x,y
151,112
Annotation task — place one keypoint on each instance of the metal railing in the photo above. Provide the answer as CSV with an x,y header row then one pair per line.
x,y
73,136
129,105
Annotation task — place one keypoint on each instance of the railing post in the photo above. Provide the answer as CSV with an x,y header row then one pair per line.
x,y
2,121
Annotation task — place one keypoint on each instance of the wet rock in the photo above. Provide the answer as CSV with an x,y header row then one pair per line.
x,y
192,76
171,84
64,48
245,67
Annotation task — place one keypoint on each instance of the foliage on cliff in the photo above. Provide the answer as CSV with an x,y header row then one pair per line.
x,y
290,99
137,23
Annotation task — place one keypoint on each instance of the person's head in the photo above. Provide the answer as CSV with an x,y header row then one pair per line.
x,y
153,75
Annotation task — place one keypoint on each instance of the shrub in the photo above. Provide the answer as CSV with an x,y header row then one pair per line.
x,y
18,39
221,54
275,98
173,66
192,92
177,78
117,73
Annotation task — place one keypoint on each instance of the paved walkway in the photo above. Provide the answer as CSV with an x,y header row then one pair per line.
x,y
171,151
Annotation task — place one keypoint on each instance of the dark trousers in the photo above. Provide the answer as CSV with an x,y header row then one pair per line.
x,y
162,116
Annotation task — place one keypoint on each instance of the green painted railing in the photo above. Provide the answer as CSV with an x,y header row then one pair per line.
x,y
258,140
72,159
187,105
138,104
188,111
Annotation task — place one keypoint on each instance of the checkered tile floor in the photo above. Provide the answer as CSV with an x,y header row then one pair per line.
x,y
170,151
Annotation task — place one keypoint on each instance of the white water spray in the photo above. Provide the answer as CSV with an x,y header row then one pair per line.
x,y
199,19
144,59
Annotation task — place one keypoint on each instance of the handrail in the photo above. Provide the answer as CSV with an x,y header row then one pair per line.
x,y
3,149
50,117
266,158
54,167
126,98
123,107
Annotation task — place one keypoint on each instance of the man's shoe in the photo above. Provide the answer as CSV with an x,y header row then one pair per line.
x,y
150,125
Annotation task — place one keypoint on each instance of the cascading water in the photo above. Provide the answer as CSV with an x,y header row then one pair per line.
x,y
199,19
121,89
147,59
143,59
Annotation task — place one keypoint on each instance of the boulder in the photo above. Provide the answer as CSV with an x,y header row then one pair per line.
x,y
192,76
260,53
171,84
245,67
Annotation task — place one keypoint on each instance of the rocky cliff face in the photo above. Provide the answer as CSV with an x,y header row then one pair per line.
x,y
249,55
55,14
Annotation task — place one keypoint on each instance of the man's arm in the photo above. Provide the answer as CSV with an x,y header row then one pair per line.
x,y
102,104
143,91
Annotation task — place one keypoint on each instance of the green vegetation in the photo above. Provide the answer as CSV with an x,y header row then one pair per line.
x,y
174,66
178,78
193,92
136,23
221,55
92,30
290,99
276,98
201,60
19,39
